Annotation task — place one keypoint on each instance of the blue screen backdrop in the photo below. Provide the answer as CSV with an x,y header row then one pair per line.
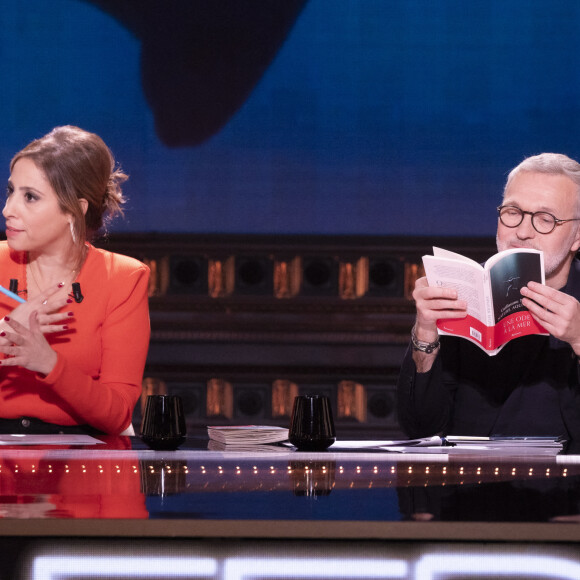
x,y
300,116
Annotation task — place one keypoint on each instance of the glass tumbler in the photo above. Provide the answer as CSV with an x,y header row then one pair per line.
x,y
311,424
163,425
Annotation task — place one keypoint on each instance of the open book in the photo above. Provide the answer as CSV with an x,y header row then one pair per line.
x,y
495,314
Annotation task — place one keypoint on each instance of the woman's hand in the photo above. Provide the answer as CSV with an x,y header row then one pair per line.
x,y
47,306
28,347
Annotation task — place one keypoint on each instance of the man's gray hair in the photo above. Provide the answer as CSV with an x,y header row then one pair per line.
x,y
550,163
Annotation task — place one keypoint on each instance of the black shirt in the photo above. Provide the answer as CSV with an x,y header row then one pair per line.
x,y
531,387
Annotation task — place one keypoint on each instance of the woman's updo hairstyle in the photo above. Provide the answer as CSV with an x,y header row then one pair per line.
x,y
78,165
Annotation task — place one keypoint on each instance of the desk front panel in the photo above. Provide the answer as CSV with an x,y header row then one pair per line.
x,y
280,493
121,511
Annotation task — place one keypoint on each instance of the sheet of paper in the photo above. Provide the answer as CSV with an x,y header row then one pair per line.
x,y
457,445
15,439
426,442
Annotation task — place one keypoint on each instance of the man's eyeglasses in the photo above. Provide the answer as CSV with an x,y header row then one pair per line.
x,y
543,222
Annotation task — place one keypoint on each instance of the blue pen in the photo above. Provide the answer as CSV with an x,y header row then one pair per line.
x,y
11,295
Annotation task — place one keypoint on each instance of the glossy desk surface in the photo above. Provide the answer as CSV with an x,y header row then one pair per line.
x,y
122,488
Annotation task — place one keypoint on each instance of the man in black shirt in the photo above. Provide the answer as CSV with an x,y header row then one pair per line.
x,y
532,386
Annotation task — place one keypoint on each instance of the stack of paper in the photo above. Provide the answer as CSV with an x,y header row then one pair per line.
x,y
248,448
247,434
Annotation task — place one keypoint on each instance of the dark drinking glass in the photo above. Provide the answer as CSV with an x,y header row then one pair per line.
x,y
163,425
311,425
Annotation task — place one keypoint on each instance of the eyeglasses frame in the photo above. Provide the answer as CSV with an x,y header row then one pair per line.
x,y
557,221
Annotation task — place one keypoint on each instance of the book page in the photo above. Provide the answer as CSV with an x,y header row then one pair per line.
x,y
441,253
465,277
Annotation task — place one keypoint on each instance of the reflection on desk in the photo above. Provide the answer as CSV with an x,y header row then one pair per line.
x,y
119,482
56,483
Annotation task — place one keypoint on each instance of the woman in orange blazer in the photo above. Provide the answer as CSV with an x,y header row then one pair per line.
x,y
74,331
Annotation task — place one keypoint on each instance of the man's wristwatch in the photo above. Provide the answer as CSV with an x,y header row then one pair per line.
x,y
422,345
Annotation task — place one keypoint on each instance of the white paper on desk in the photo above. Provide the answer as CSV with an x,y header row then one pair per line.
x,y
399,444
497,441
60,439
502,450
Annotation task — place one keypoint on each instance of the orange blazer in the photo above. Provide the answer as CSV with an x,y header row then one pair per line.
x,y
98,376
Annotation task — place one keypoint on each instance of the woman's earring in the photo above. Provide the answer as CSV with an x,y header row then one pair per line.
x,y
72,232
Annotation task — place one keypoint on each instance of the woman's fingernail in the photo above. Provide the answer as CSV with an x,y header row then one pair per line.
x,y
7,318
69,301
60,284
65,327
70,313
2,333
